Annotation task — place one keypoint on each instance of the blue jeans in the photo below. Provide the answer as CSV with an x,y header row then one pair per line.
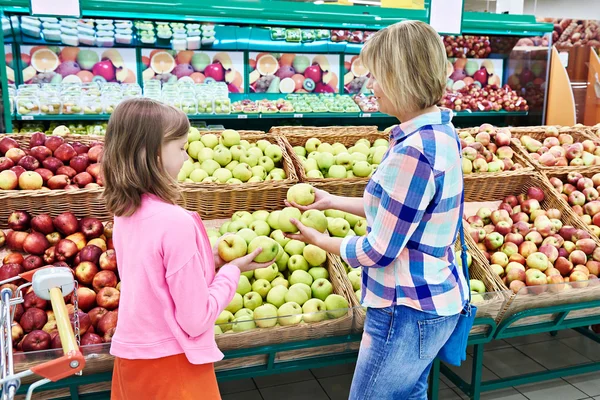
x,y
397,350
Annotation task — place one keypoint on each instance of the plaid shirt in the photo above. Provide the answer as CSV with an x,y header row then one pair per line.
x,y
413,205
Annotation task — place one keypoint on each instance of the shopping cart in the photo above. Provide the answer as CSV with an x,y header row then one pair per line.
x,y
49,283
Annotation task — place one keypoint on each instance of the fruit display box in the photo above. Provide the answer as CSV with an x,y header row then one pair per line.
x,y
213,201
552,148
348,136
489,194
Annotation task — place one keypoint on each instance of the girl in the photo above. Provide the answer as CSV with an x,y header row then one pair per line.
x,y
174,286
412,287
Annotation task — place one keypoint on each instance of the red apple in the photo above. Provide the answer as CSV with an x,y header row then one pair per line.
x,y
103,279
46,174
7,143
66,250
15,154
18,170
13,258
81,148
84,322
85,272
36,340
108,298
66,223
30,163
86,298
586,245
90,339
91,253
108,261
53,164
108,321
578,257
54,142
79,239
100,243
40,153
32,262
35,243
15,240
96,314
95,153
19,220
17,332
31,300
42,223
593,267
535,193
33,319
6,163
65,152
58,182
530,205
94,170
91,227
68,171
527,248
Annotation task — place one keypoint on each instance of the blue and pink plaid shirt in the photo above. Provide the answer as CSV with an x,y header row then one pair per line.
x,y
413,205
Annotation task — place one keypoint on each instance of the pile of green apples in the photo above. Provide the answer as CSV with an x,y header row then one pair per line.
x,y
324,160
226,158
296,288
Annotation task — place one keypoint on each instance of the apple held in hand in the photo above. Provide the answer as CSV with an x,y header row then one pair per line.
x,y
231,247
270,248
302,194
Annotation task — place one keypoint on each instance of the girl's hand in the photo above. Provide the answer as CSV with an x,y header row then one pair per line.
x,y
323,201
306,234
246,263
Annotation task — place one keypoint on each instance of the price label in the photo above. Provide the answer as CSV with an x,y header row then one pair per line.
x,y
564,58
298,116
65,8
27,117
242,116
366,115
445,16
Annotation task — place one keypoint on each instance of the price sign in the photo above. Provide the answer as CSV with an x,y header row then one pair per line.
x,y
445,16
298,116
62,8
242,116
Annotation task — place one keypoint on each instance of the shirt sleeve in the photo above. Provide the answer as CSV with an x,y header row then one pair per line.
x,y
407,187
197,301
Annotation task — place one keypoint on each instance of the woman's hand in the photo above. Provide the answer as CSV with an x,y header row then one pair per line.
x,y
323,201
247,262
306,234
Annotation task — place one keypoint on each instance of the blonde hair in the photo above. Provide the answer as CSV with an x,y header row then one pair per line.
x,y
408,60
131,163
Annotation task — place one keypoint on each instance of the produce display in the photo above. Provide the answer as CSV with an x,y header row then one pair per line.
x,y
467,46
356,75
226,158
581,192
299,103
49,163
530,246
480,73
487,149
489,98
180,36
79,128
296,288
561,149
575,32
293,73
85,246
325,160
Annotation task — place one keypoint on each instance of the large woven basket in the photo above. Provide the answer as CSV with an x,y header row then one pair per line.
x,y
24,138
353,187
304,331
537,296
214,201
538,133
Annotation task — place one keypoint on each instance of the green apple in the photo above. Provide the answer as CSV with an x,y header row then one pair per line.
x,y
361,227
269,247
345,160
210,166
477,286
259,171
269,273
297,295
349,174
304,287
274,152
237,152
218,330
279,237
325,161
314,219
236,304
245,144
311,165
187,167
338,227
315,174
247,234
279,172
210,140
361,169
301,276
300,151
314,255
243,172
314,310
255,179
297,262
321,288
205,154
252,300
350,233
381,143
354,277
359,157
198,175
248,274
279,281
231,166
337,172
224,228
362,147
242,216
193,134
236,226
233,181
211,232
224,320
352,219
265,316
337,306
289,313
243,323
325,148
213,241
378,155
244,285
244,311
302,194
230,137
260,215
222,155
335,214
266,163
263,144
312,144
276,295
262,287
223,175
284,219
250,159
182,177
358,295
255,151
261,228
282,261
319,273
194,148
294,247
273,220
231,247
339,148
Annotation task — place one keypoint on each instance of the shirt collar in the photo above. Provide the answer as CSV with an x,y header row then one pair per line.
x,y
444,116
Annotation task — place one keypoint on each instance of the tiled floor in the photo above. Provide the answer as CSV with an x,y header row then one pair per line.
x,y
502,359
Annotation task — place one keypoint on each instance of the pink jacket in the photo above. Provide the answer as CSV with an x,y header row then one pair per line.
x,y
171,295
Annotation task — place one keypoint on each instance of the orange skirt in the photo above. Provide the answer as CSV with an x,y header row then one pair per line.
x,y
165,378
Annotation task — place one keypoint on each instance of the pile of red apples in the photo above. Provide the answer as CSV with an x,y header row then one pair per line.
x,y
49,163
474,97
582,194
83,245
561,150
467,46
487,149
530,246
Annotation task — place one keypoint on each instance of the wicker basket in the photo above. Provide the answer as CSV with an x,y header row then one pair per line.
x,y
538,133
24,138
353,187
304,331
530,297
214,201
316,131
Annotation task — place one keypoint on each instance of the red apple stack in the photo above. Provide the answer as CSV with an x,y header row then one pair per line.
x,y
561,150
487,149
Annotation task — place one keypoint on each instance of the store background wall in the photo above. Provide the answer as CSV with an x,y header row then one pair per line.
x,y
581,9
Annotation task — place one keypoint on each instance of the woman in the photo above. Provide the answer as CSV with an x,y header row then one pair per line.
x,y
411,285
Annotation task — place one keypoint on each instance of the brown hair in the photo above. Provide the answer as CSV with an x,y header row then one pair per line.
x,y
131,163
408,60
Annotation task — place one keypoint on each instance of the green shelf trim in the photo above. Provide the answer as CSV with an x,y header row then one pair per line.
x,y
477,23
